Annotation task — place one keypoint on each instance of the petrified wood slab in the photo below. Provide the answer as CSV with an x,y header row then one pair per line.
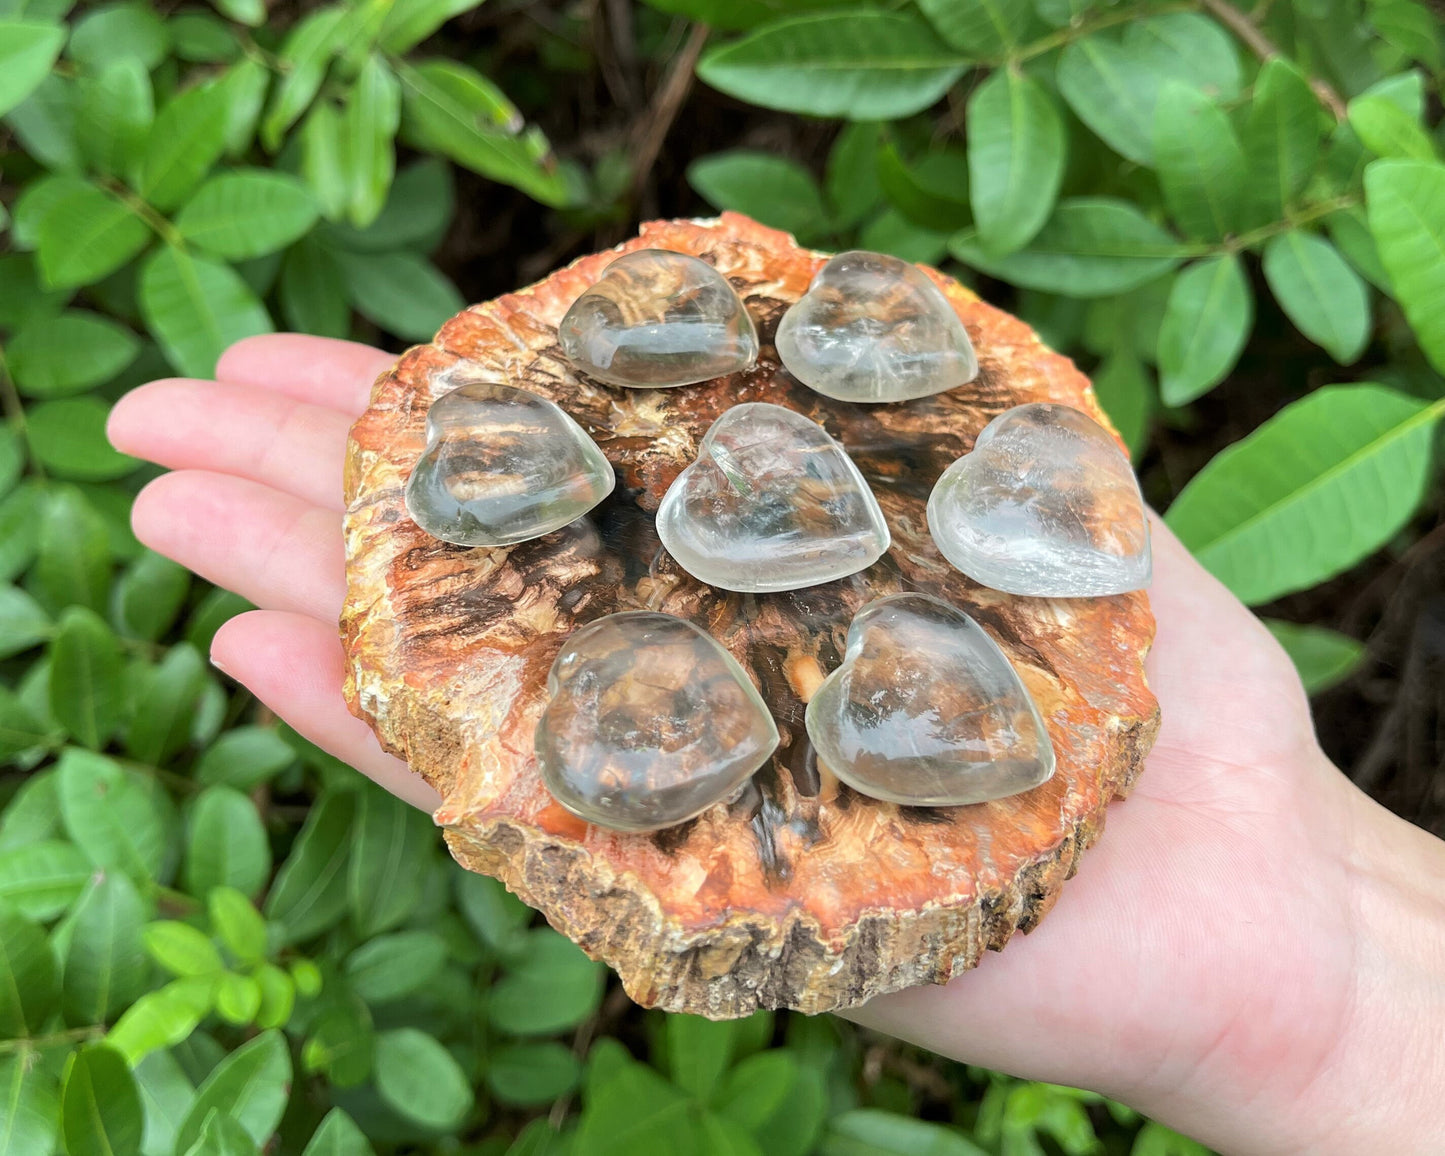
x,y
801,893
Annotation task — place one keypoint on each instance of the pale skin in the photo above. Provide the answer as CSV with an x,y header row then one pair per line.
x,y
1254,953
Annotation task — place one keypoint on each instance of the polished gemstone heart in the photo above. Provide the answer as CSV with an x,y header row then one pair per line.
x,y
651,722
772,503
874,328
503,465
925,710
1045,504
658,319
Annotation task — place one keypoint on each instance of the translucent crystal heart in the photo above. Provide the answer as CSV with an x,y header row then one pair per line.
x,y
651,722
874,328
658,319
503,465
925,710
771,503
1044,505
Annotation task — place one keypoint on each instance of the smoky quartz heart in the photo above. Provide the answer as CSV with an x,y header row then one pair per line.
x,y
502,465
651,722
925,710
657,319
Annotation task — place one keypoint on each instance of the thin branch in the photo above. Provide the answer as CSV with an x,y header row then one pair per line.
x,y
1264,48
650,134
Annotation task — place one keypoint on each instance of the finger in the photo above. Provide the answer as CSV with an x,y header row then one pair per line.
x,y
267,437
271,548
316,370
295,665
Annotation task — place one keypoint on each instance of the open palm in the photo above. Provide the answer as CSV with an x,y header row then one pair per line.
x,y
1206,954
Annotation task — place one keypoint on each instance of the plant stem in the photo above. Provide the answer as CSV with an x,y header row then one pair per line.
x,y
1263,47
1088,27
69,1036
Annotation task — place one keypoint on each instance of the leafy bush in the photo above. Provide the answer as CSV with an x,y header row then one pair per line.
x,y
204,943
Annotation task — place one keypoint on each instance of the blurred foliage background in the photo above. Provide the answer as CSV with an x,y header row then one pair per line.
x,y
216,940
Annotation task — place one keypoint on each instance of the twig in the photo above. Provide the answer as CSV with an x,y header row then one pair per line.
x,y
1263,47
651,132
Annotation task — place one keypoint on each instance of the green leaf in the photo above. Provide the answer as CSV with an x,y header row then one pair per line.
x,y
252,13
149,596
41,880
29,1107
1323,296
862,65
416,216
851,177
67,437
33,813
166,698
112,815
166,1093
313,293
980,29
69,352
304,59
419,1079
23,622
699,1051
278,996
160,1019
116,110
119,31
338,1135
1350,233
247,213
85,234
251,1085
1411,28
1188,46
238,998
1016,152
28,984
22,730
1090,247
874,1132
243,88
495,915
181,949
1405,201
237,922
197,308
1281,140
341,1040
1322,656
200,38
21,515
244,758
1113,92
1322,484
532,1074
1206,324
309,894
222,1136
27,51
635,1110
188,138
74,550
455,111
105,966
552,986
1124,389
402,293
1200,162
227,846
373,115
324,159
390,840
1387,130
391,966
87,679
770,189
931,192
100,1110
782,1103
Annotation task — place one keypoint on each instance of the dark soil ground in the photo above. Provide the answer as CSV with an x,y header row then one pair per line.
x,y
584,73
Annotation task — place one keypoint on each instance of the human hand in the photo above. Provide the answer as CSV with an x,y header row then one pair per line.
x,y
1254,954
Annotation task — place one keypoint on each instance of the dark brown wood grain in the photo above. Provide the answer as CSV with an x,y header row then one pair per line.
x,y
801,893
